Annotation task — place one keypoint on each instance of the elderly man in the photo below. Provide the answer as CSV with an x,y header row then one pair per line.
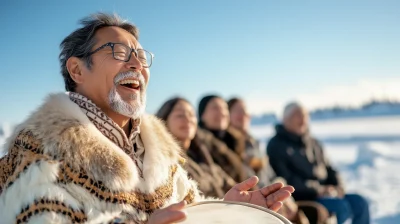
x,y
299,158
91,155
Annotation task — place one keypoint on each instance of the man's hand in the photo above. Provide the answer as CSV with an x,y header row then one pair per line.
x,y
270,197
170,214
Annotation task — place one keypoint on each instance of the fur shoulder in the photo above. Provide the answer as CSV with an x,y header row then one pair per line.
x,y
212,143
154,130
66,133
204,135
238,135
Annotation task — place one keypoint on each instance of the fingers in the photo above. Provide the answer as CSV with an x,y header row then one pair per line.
x,y
170,214
276,206
177,206
172,217
271,189
275,187
288,188
278,196
247,184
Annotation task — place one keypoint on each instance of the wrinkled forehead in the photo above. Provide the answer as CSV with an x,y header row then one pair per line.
x,y
116,35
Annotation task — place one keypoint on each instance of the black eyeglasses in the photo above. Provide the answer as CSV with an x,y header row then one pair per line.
x,y
121,52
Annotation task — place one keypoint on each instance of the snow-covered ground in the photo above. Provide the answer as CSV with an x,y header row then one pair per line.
x,y
367,153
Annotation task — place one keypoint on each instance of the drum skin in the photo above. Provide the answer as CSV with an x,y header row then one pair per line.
x,y
223,212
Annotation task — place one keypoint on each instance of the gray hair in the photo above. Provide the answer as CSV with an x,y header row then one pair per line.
x,y
290,108
80,42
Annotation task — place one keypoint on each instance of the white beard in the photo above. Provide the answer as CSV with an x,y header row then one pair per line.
x,y
132,110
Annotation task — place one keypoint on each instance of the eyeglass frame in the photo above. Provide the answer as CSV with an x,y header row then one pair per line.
x,y
112,44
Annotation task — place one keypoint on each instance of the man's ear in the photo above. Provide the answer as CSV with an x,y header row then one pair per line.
x,y
74,67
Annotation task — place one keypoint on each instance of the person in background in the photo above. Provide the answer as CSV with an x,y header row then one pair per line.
x,y
240,120
180,119
213,116
299,158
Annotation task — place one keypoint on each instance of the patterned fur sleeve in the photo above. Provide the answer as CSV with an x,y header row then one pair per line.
x,y
31,191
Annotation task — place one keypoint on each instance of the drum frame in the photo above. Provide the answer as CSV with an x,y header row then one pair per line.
x,y
279,216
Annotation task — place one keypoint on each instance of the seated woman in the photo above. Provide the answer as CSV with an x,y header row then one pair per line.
x,y
240,121
181,121
214,119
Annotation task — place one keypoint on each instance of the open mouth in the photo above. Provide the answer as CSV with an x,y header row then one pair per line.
x,y
131,84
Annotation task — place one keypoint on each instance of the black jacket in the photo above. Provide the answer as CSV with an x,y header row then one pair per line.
x,y
301,161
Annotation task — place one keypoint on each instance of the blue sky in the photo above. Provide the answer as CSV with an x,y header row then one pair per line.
x,y
269,52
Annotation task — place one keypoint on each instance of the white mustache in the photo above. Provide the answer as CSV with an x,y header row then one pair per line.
x,y
129,74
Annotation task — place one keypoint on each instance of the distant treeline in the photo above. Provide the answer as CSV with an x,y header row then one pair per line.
x,y
372,108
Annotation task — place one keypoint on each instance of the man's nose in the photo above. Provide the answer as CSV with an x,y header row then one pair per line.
x,y
134,63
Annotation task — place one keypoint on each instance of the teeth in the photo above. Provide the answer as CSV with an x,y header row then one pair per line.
x,y
134,82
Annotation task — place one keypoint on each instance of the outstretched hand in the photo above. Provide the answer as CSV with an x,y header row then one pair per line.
x,y
270,197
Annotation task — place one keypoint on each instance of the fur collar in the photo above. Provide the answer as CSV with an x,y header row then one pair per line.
x,y
67,134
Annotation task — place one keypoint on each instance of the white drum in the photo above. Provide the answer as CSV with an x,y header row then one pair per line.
x,y
223,212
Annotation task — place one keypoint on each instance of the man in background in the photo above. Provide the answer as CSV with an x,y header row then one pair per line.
x,y
299,158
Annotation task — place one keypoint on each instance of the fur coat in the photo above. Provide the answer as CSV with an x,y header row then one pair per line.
x,y
223,156
212,180
60,168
